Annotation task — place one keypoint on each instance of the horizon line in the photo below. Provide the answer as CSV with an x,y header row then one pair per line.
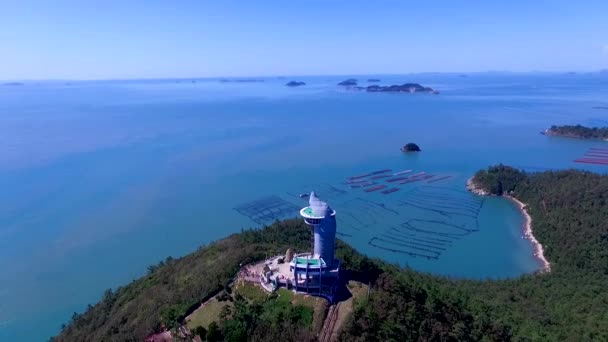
x,y
303,75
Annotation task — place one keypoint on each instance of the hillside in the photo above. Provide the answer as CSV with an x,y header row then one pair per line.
x,y
569,215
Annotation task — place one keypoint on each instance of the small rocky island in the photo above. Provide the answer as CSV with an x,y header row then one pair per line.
x,y
373,80
410,147
348,83
578,131
295,84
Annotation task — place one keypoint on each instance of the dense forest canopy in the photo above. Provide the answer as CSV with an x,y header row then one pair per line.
x,y
578,131
570,218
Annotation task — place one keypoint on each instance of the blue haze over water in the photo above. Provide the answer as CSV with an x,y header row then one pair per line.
x,y
101,179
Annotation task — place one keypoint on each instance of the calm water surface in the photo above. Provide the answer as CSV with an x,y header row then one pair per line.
x,y
101,179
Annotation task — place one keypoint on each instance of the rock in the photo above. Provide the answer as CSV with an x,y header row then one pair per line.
x,y
295,84
410,147
349,82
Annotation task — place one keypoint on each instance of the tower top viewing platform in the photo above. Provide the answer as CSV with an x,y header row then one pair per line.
x,y
317,209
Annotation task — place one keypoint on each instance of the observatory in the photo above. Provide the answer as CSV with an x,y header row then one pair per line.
x,y
317,272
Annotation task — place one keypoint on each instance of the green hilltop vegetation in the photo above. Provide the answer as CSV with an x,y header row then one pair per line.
x,y
569,214
578,131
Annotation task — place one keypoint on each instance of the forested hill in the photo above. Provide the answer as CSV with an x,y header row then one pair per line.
x,y
570,217
569,211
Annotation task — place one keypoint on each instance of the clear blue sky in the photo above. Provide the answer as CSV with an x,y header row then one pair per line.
x,y
131,39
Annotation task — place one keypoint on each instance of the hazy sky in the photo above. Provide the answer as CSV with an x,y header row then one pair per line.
x,y
131,39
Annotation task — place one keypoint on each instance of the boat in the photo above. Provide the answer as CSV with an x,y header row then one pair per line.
x,y
304,195
377,187
379,176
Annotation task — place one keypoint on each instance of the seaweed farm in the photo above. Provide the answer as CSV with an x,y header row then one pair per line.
x,y
594,155
267,210
407,214
446,216
377,177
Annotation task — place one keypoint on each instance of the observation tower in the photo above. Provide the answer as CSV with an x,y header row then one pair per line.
x,y
317,272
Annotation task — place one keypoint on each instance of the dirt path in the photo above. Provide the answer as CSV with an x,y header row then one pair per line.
x,y
330,329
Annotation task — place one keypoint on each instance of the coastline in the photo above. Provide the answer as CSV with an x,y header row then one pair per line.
x,y
539,251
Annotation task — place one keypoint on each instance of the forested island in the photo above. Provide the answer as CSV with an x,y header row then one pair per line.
x,y
569,214
351,83
578,131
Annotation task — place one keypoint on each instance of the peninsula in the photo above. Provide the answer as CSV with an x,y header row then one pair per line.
x,y
578,131
569,303
501,180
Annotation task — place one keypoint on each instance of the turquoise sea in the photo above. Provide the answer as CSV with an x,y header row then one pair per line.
x,y
101,179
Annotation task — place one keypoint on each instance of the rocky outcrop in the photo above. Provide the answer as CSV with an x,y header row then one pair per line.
x,y
410,147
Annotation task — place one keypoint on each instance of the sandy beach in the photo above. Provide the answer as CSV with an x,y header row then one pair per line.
x,y
539,251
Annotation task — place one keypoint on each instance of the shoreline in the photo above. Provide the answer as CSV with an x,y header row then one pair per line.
x,y
539,251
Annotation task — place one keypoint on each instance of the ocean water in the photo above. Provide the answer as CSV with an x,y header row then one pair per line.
x,y
100,179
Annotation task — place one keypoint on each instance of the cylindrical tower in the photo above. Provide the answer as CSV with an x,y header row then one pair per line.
x,y
322,220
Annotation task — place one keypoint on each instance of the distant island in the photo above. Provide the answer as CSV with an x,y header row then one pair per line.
x,y
410,147
295,84
348,83
13,84
351,83
563,303
578,131
403,88
246,80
